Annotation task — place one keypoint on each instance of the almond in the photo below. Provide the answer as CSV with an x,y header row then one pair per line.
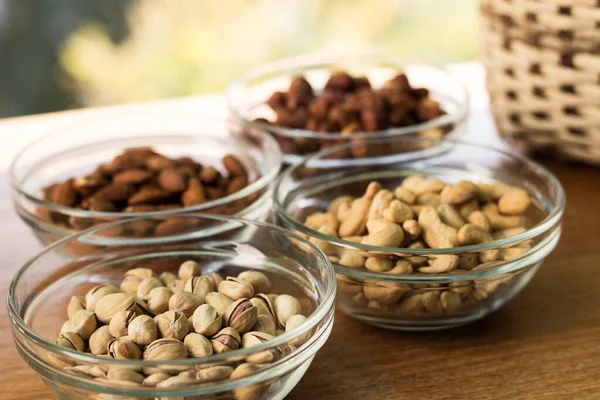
x,y
209,175
115,192
87,185
237,184
149,193
158,162
233,165
171,180
132,176
194,194
64,194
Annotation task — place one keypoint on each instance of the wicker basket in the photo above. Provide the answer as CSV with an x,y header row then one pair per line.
x,y
543,73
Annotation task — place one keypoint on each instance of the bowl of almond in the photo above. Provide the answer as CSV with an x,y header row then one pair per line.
x,y
143,165
434,242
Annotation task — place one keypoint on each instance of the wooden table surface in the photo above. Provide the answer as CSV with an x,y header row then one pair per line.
x,y
544,344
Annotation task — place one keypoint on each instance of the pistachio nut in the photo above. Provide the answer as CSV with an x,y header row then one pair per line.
x,y
254,338
84,323
286,306
264,305
176,381
124,374
111,304
146,286
154,379
197,345
249,392
124,348
75,304
172,324
142,330
188,269
165,349
218,301
118,383
266,324
236,289
259,281
241,315
167,277
214,374
206,320
215,279
176,286
99,340
185,302
71,340
96,293
120,322
134,277
190,373
158,300
227,339
199,285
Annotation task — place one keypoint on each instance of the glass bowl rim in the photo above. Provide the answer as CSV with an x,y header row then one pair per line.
x,y
262,182
545,225
311,321
284,65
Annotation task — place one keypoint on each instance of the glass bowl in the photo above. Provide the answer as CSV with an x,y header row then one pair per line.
x,y
77,150
247,96
404,298
40,291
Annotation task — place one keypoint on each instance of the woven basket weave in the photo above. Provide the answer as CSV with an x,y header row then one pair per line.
x,y
542,59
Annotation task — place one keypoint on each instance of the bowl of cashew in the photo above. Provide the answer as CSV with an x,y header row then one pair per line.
x,y
426,240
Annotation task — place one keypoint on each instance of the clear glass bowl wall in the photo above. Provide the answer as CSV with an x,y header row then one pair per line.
x,y
401,301
40,292
246,97
78,149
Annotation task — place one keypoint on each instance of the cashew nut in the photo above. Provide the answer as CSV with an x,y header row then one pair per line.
x,y
433,185
352,258
372,189
318,220
498,221
450,216
337,202
459,193
428,199
412,230
380,202
441,264
412,182
397,212
356,222
479,219
383,233
386,293
379,264
506,233
325,246
405,195
515,202
491,191
467,208
472,234
402,267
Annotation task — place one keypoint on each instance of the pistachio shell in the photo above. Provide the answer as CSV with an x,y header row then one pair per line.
x,y
218,301
124,374
99,340
185,302
197,345
158,300
111,304
236,289
123,348
172,324
84,323
165,349
213,374
146,286
286,306
120,322
241,315
266,324
255,338
96,293
134,277
71,340
206,320
75,304
189,269
142,330
199,285
259,281
227,339
154,379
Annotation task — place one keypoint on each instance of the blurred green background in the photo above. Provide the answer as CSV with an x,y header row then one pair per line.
x,y
60,54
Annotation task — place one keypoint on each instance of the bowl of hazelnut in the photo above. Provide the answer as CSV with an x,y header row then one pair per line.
x,y
311,103
204,318
437,241
143,164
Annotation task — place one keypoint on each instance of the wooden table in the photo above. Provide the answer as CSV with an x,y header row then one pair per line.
x,y
544,344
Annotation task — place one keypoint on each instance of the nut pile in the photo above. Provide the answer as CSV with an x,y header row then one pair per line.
x,y
423,213
169,317
142,180
348,105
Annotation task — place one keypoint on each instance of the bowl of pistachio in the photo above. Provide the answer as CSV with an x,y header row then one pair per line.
x,y
426,240
210,317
